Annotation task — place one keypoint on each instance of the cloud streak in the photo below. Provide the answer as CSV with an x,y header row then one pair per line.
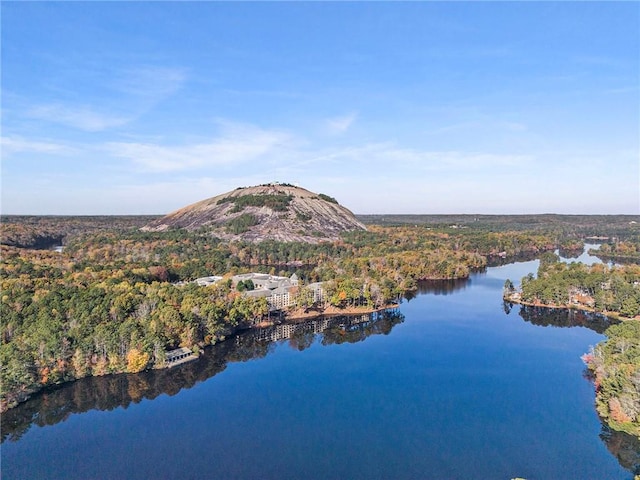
x,y
150,81
241,145
339,125
385,156
132,93
16,144
81,117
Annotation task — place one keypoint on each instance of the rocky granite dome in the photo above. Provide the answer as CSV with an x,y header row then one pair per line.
x,y
276,211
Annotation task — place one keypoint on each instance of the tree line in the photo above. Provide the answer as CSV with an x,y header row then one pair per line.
x,y
615,367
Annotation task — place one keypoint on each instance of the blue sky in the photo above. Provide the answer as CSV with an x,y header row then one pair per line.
x,y
432,107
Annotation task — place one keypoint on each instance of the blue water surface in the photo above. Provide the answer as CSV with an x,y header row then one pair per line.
x,y
459,390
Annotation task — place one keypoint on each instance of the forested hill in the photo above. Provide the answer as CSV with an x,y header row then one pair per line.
x,y
280,212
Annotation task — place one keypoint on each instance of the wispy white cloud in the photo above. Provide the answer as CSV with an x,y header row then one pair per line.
x,y
380,157
480,123
339,125
263,93
82,117
515,126
629,89
237,145
16,144
452,128
601,61
478,52
126,95
150,81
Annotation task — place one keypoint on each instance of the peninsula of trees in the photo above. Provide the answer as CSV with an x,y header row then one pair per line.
x,y
611,290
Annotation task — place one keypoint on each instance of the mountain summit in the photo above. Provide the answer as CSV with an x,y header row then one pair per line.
x,y
275,211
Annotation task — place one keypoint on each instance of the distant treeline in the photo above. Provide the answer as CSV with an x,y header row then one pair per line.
x,y
619,226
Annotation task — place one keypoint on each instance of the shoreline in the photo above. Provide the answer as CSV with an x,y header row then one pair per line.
x,y
579,308
335,311
21,397
330,311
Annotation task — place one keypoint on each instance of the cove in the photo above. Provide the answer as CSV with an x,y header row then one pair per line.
x,y
454,384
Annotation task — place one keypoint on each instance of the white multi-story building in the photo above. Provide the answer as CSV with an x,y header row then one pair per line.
x,y
279,291
318,292
280,298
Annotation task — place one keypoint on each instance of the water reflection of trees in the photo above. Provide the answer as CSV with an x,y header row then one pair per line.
x,y
625,447
359,330
114,391
438,287
554,317
570,253
498,261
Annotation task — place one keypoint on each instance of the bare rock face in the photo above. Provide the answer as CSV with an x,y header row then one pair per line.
x,y
276,211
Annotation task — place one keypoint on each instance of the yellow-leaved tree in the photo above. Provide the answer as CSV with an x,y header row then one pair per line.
x,y
136,360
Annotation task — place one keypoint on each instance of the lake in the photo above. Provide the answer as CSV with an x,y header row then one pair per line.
x,y
452,385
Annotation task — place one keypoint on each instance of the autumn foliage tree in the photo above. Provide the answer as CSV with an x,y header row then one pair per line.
x,y
137,360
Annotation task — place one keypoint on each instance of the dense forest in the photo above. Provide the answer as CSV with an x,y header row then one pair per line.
x,y
115,299
615,366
